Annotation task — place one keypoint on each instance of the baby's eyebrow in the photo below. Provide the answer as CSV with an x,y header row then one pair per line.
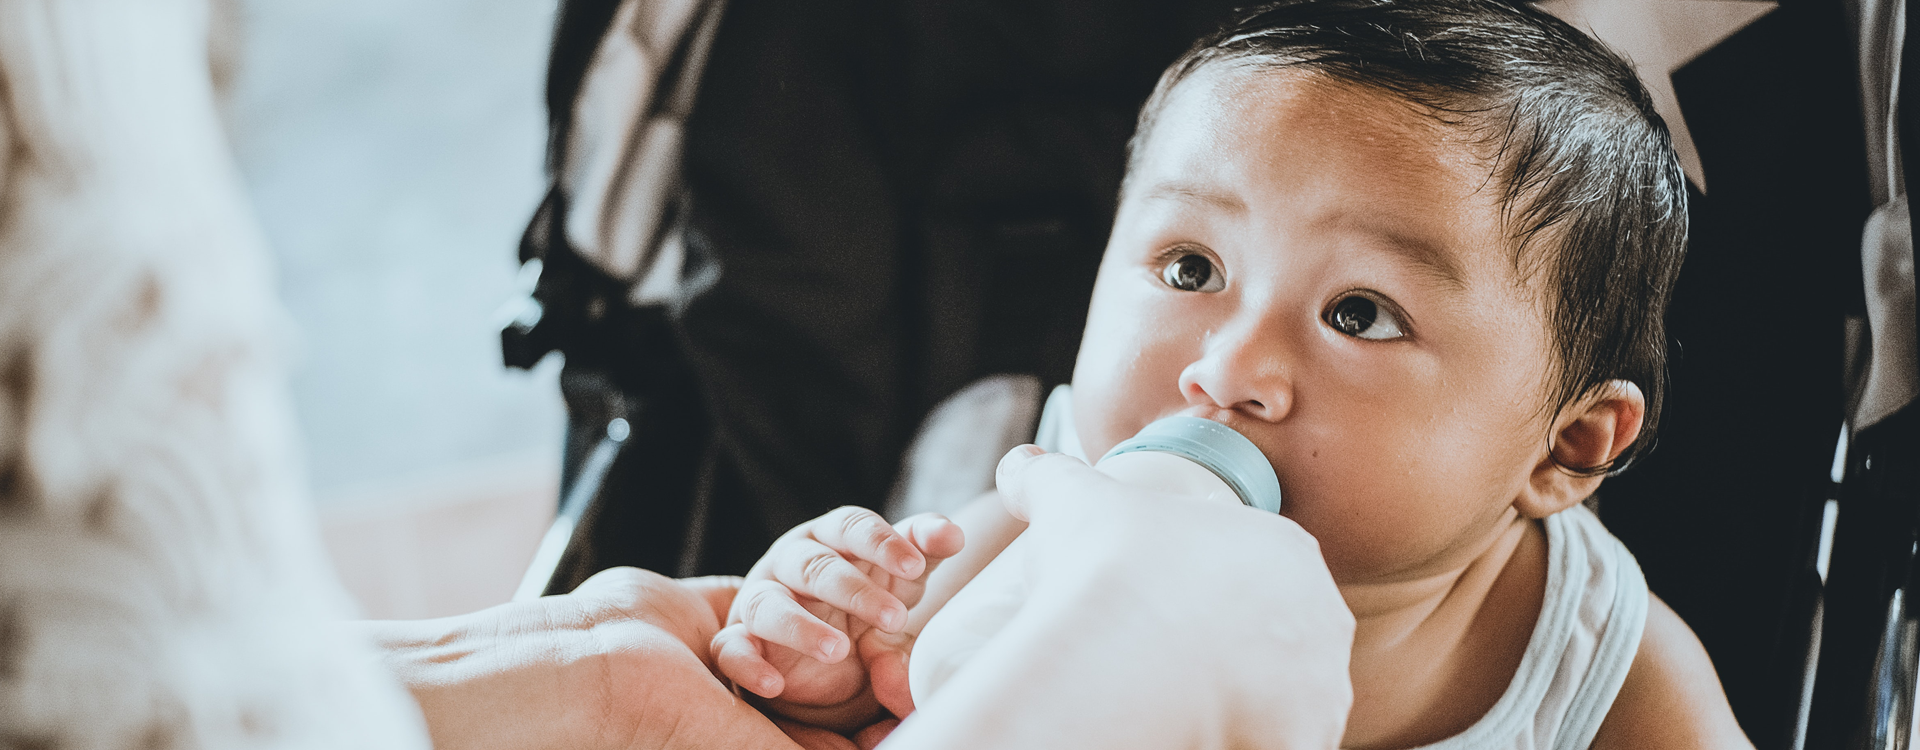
x,y
1439,263
1191,193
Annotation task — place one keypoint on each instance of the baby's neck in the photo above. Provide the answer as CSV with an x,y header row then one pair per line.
x,y
1432,653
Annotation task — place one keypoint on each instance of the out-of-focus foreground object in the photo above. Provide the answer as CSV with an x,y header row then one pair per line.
x,y
161,580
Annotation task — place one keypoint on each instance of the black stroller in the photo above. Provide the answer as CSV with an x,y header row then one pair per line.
x,y
780,235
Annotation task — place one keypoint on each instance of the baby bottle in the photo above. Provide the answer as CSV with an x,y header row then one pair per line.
x,y
1180,456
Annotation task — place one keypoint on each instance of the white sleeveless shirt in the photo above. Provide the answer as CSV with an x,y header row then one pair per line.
x,y
1582,644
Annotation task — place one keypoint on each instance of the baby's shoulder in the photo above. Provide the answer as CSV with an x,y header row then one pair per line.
x,y
1671,697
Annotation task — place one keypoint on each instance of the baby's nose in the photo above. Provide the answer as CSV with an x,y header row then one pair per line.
x,y
1242,375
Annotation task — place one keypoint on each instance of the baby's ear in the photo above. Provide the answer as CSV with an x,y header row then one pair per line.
x,y
1587,437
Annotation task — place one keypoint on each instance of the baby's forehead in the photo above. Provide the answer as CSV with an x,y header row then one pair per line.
x,y
1349,157
1284,104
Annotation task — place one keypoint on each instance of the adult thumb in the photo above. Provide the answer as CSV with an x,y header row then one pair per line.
x,y
886,657
1033,482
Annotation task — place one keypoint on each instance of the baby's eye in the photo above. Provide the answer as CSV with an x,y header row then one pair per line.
x,y
1192,272
1363,318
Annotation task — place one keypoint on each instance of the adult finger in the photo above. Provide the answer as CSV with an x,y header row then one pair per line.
x,y
862,534
649,597
885,657
873,735
1032,482
814,738
815,569
718,591
771,613
739,658
623,585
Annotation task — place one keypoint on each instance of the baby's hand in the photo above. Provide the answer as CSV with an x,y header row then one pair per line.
x,y
837,586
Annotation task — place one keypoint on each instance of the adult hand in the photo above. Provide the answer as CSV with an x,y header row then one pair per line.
x,y
1151,622
617,664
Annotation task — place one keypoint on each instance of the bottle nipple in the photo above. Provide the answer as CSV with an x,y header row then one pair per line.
x,y
1218,448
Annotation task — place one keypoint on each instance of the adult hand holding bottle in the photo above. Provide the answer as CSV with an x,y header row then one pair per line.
x,y
1128,639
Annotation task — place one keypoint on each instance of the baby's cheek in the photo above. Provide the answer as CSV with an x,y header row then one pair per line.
x,y
1370,518
1348,540
1098,420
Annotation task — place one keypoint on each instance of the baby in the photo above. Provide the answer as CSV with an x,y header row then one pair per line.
x,y
1417,251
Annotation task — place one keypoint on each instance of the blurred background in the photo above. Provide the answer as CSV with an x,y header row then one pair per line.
x,y
393,154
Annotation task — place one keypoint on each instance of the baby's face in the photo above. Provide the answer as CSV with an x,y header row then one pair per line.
x,y
1327,272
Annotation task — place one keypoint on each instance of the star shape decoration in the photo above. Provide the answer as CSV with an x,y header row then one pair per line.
x,y
1659,37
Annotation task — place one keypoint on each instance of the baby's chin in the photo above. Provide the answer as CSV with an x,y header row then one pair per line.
x,y
1362,552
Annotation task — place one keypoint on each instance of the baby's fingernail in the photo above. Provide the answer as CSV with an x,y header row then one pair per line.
x,y
828,646
890,619
766,687
1030,450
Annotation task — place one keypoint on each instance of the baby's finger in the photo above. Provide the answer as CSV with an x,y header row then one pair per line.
x,y
772,614
740,660
872,736
814,569
937,537
862,534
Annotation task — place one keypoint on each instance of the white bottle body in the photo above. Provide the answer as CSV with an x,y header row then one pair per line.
x,y
987,603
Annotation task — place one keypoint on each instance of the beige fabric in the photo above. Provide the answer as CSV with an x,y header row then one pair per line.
x,y
622,158
1886,260
1882,30
1892,378
952,459
162,582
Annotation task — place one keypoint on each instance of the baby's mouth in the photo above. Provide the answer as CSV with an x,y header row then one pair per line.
x,y
1256,430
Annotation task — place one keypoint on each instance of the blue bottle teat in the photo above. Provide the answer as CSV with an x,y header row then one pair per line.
x,y
1226,453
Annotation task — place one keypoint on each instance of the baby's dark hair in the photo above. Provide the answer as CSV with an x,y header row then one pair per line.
x,y
1584,163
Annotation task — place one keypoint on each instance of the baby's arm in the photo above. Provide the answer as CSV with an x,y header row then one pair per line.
x,y
1672,698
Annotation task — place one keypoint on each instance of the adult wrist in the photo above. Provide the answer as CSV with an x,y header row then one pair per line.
x,y
497,678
